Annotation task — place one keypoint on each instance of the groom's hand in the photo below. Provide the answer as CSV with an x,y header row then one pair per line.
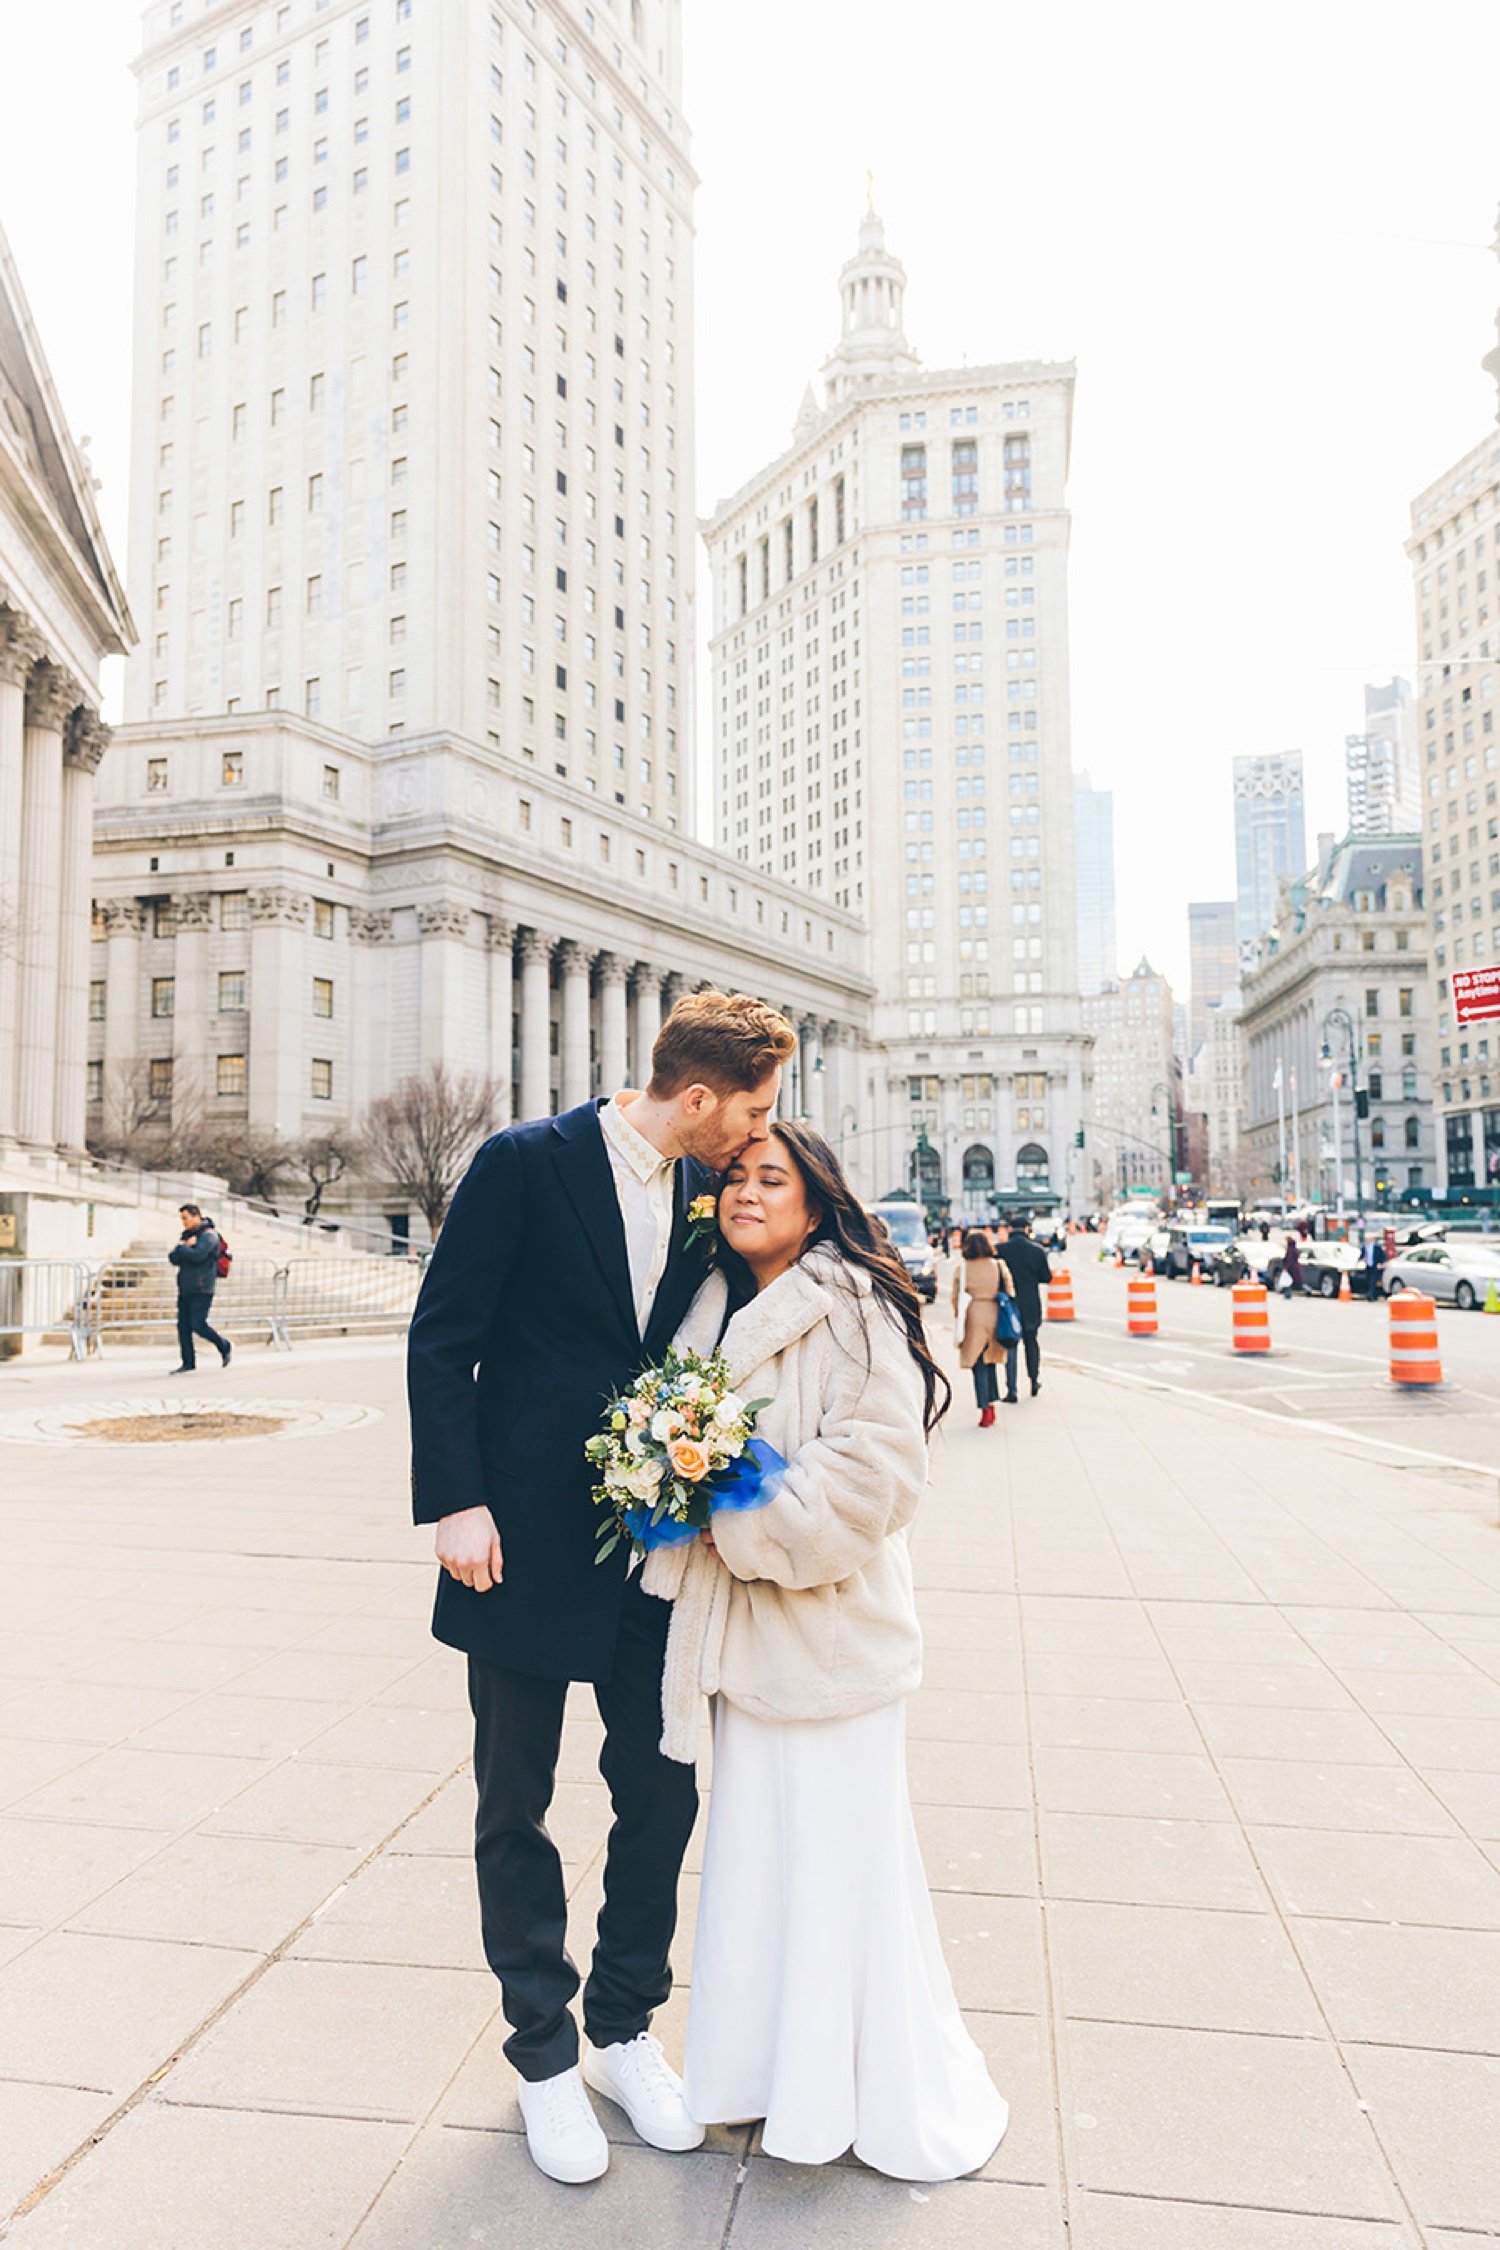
x,y
468,1547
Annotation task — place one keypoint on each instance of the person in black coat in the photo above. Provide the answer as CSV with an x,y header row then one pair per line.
x,y
1031,1272
563,1268
196,1258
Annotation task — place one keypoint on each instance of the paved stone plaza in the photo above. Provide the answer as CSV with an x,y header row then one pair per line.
x,y
1208,1771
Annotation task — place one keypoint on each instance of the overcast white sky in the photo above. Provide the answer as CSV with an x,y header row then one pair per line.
x,y
1263,234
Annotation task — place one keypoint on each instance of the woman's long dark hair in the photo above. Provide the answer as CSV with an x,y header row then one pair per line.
x,y
860,1241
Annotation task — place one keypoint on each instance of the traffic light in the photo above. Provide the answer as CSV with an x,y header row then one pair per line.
x,y
924,1145
1361,1103
1078,1138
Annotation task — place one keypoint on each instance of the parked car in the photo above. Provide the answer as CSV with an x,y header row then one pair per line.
x,y
1324,1265
906,1225
1246,1258
1456,1271
1192,1246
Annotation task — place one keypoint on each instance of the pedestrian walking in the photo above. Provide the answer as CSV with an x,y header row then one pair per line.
x,y
1031,1270
1374,1263
979,1279
1291,1266
196,1258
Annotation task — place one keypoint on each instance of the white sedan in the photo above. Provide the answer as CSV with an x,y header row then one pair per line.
x,y
1455,1272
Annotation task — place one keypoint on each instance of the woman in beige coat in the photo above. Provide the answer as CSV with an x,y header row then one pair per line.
x,y
821,2000
980,1280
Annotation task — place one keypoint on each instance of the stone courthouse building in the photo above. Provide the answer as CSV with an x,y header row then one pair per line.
x,y
408,772
62,611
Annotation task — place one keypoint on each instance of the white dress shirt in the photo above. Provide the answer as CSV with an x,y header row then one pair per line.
x,y
644,1183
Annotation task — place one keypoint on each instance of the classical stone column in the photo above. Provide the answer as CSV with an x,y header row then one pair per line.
x,y
573,1039
675,989
19,649
502,998
536,1025
280,1010
125,926
50,696
87,740
371,939
193,1007
832,1082
614,1039
645,994
444,931
810,1039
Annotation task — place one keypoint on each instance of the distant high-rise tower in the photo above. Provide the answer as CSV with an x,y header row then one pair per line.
x,y
1213,962
891,732
1094,837
1269,839
1382,768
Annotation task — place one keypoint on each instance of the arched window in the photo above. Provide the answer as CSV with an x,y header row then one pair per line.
x,y
1032,1171
979,1175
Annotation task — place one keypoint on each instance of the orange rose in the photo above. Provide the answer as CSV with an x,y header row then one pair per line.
x,y
689,1459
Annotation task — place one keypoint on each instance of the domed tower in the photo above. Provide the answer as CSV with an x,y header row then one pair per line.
x,y
873,345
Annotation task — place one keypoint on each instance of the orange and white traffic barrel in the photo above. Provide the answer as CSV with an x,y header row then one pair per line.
x,y
1414,1339
1060,1296
1140,1307
1252,1320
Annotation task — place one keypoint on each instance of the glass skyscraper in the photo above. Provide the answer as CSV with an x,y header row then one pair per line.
x,y
1269,837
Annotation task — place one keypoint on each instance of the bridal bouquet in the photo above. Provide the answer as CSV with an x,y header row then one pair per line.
x,y
675,1448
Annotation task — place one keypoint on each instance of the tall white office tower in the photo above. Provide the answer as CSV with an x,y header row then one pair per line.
x,y
1094,822
413,443
890,711
1381,766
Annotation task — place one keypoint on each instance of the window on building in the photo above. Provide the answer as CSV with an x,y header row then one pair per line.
x,y
229,1074
232,769
322,996
234,910
322,1079
1372,1000
159,1078
965,476
331,783
156,774
163,996
94,1084
323,917
913,482
231,992
96,1000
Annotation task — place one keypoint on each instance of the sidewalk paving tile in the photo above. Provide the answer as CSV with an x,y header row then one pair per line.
x,y
103,2012
1409,1986
1439,1879
320,1675
88,1711
1439,2117
28,1766
40,2126
338,2038
1114,1856
1307,1686
841,2207
1207,1971
128,1787
1218,2117
243,1726
241,1891
1019,2055
203,2179
1304,1793
49,1869
1334,1738
1130,2222
964,1849
482,2190
994,1950
423,1912
1101,1722
307,1802
1172,1786
965,1715
964,1773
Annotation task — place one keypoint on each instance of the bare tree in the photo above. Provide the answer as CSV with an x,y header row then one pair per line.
x,y
322,1161
252,1159
421,1135
133,1122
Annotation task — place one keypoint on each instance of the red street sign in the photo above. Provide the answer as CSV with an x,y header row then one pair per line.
x,y
1476,994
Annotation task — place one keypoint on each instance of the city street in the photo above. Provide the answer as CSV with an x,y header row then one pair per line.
x,y
1207,1765
1328,1363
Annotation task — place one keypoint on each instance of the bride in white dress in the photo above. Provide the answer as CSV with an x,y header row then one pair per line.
x,y
821,2000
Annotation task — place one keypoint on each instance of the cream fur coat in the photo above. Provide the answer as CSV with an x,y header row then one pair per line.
x,y
807,1610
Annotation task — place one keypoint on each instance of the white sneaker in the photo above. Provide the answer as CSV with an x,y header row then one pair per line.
x,y
562,2132
637,2075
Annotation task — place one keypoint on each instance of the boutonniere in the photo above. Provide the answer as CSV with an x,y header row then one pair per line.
x,y
703,1217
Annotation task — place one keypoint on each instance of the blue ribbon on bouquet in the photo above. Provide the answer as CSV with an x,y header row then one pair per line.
x,y
750,1482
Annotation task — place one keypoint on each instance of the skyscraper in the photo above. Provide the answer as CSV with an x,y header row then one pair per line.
x,y
890,710
1269,841
408,780
1381,766
1213,962
1455,525
1094,834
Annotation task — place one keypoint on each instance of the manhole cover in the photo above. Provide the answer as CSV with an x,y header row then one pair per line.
x,y
173,1421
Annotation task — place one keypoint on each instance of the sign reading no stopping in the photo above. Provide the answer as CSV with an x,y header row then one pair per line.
x,y
1476,994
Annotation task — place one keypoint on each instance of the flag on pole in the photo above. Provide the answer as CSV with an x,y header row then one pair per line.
x,y
1276,1081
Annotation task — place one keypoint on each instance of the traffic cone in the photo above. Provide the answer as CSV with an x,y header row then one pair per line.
x,y
1197,1275
1346,1294
1119,1255
1146,1265
1492,1299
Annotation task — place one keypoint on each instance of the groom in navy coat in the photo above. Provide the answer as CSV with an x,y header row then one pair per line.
x,y
563,1268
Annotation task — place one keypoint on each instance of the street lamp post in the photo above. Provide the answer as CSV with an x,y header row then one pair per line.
x,y
1339,1019
1165,1092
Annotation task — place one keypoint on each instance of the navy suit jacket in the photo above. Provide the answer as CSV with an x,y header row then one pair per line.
x,y
524,1327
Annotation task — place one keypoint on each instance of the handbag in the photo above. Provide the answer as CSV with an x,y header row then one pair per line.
x,y
1007,1321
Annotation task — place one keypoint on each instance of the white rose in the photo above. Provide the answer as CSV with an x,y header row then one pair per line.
x,y
692,1386
635,1443
665,1425
645,1480
729,1409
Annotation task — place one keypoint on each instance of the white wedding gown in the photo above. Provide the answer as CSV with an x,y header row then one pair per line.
x,y
821,2000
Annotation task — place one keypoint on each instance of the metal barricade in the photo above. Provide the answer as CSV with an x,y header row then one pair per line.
x,y
45,1297
348,1296
137,1297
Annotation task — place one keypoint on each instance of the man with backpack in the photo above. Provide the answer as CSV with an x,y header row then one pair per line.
x,y
199,1257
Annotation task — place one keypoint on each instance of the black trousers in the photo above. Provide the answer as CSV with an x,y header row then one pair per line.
x,y
1031,1345
986,1382
192,1320
523,1908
